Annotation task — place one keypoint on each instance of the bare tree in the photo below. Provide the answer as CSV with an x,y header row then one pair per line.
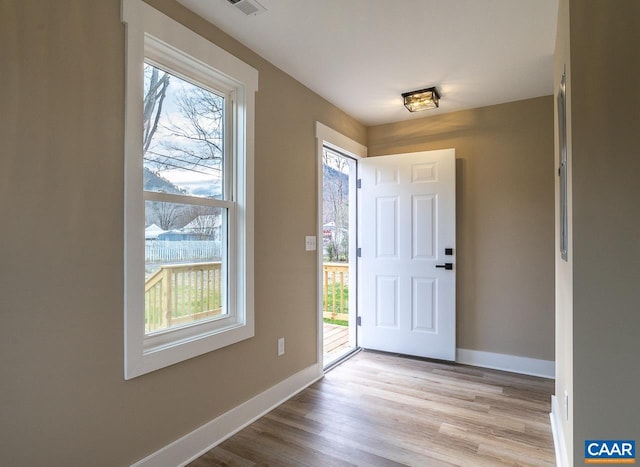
x,y
194,140
167,216
156,84
336,204
187,134
205,222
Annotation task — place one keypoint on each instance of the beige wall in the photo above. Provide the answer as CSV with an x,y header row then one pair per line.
x,y
564,269
605,67
504,159
64,398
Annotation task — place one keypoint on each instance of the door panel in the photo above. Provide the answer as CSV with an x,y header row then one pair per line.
x,y
423,304
424,222
406,220
386,227
387,301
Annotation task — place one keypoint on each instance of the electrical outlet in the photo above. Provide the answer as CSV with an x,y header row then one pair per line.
x,y
280,346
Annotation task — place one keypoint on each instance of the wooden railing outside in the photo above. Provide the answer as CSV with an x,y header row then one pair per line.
x,y
180,293
335,300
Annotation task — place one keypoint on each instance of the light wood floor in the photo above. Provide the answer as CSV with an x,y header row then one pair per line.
x,y
382,410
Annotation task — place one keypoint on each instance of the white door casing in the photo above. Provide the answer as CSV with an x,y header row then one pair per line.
x,y
406,220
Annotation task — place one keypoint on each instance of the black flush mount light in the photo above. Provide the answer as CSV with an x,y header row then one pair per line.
x,y
422,99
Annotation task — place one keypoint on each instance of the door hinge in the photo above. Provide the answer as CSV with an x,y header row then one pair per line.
x,y
358,320
359,252
359,183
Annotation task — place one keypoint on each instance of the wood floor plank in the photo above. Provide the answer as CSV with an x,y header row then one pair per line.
x,y
221,458
379,409
352,455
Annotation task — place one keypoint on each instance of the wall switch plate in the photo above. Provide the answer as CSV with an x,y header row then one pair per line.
x,y
310,243
566,405
280,346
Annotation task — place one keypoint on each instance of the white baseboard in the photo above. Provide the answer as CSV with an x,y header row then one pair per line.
x,y
562,460
194,444
512,363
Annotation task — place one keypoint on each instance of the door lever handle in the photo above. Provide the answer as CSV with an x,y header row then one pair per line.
x,y
447,266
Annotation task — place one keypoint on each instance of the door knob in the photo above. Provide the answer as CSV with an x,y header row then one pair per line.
x,y
445,266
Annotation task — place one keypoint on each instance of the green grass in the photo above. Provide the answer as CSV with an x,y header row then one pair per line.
x,y
339,322
190,300
334,299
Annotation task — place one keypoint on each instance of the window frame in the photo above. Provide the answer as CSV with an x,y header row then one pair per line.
x,y
561,101
156,38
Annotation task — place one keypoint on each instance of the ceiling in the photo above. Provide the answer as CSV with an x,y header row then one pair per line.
x,y
361,55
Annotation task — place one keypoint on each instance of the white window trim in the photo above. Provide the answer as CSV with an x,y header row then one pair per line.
x,y
144,22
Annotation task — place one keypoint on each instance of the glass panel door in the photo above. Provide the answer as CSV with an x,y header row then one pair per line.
x,y
338,243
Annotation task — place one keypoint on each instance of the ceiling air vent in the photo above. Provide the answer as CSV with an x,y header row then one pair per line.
x,y
248,7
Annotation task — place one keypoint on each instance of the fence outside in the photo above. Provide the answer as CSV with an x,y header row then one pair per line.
x,y
166,251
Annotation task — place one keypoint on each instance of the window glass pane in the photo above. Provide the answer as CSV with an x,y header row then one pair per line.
x,y
185,264
335,202
183,136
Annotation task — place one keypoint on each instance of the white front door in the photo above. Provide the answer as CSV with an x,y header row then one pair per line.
x,y
407,217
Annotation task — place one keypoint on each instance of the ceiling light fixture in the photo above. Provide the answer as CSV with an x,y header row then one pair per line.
x,y
422,99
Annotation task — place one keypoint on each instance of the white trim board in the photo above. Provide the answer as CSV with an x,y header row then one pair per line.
x,y
339,141
202,439
562,459
504,362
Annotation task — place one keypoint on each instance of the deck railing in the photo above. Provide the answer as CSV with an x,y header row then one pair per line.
x,y
335,295
180,293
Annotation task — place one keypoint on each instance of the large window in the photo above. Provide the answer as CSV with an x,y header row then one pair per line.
x,y
188,200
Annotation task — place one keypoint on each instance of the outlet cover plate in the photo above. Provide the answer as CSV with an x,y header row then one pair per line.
x,y
310,243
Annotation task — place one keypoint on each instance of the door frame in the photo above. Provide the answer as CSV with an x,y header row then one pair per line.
x,y
326,136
